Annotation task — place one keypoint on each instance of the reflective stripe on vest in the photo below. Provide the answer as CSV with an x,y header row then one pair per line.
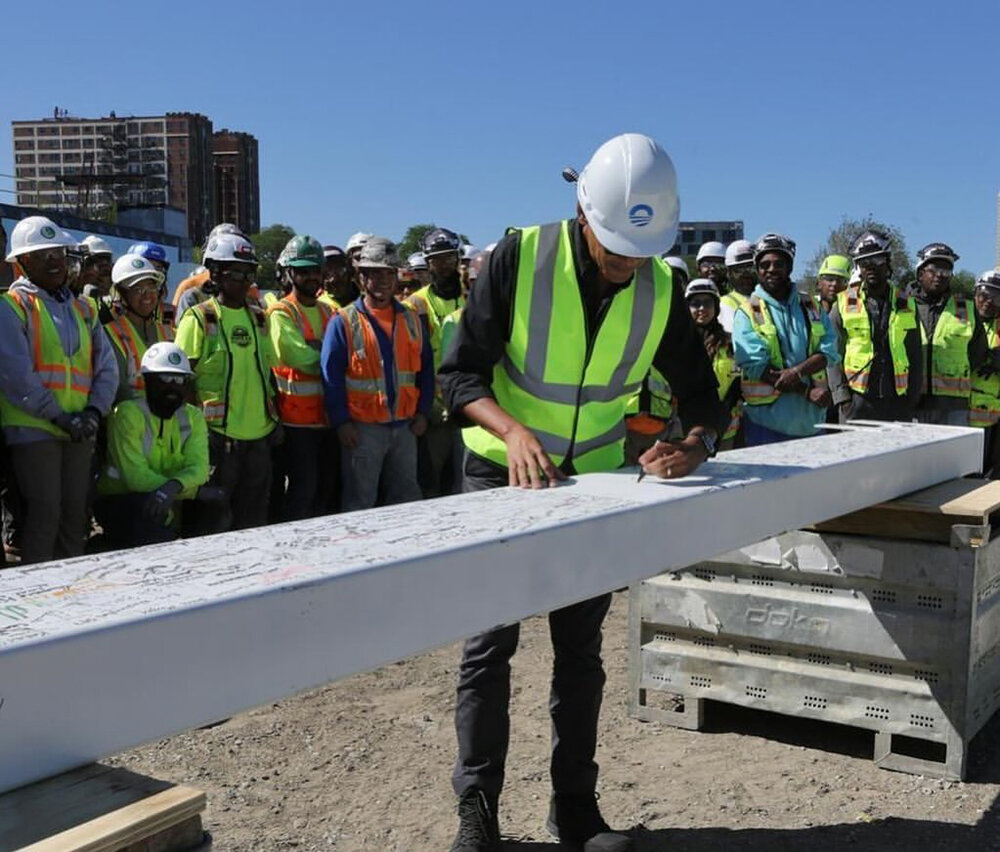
x,y
125,337
859,351
570,392
984,401
149,432
300,394
757,391
949,349
67,377
364,380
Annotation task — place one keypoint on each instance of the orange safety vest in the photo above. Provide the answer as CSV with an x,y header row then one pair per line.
x,y
133,347
300,394
367,390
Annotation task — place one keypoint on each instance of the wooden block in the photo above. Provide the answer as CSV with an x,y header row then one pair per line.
x,y
100,809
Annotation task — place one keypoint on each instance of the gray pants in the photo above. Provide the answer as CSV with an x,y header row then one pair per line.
x,y
383,452
54,480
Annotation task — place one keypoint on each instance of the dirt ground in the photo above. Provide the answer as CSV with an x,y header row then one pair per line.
x,y
365,764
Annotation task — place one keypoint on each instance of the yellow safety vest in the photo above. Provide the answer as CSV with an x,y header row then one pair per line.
x,y
571,392
68,377
984,402
162,444
430,305
130,343
726,372
859,352
759,392
660,403
735,300
949,349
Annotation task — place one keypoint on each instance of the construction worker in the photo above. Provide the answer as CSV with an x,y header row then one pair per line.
x,y
832,279
878,338
679,268
984,360
742,279
702,297
378,379
355,243
946,324
442,250
338,281
58,381
226,340
711,262
417,264
6,274
200,278
157,454
136,325
99,260
468,252
157,255
297,325
76,253
783,344
406,284
592,307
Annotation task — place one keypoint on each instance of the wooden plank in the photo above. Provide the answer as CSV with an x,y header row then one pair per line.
x,y
101,653
94,809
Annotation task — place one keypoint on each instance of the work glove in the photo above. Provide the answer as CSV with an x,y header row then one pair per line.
x,y
91,422
159,502
211,494
71,424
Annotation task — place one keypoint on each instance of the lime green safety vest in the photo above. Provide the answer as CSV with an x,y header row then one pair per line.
x,y
949,350
214,367
572,395
984,404
760,392
67,377
859,351
726,372
432,306
735,300
654,397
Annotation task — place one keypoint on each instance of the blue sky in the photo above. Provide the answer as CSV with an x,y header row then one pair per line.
x,y
375,116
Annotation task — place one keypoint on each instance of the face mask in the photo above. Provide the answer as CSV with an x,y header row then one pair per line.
x,y
163,400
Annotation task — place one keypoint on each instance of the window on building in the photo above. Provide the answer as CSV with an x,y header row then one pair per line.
x,y
71,130
707,235
24,131
71,144
48,158
71,156
152,127
48,130
24,145
49,144
728,235
87,129
687,235
24,158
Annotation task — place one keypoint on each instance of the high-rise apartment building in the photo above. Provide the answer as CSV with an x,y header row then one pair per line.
x,y
690,235
237,187
92,167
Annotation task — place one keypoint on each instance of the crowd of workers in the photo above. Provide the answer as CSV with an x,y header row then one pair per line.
x,y
368,379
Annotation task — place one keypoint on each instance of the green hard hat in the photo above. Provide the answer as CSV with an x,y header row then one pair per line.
x,y
836,264
302,251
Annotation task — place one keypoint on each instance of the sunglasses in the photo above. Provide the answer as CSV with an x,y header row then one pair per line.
x,y
873,262
234,275
938,269
772,264
173,378
145,289
697,303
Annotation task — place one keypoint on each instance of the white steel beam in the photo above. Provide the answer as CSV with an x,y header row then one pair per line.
x,y
101,653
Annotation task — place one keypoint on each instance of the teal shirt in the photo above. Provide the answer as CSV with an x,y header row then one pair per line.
x,y
790,414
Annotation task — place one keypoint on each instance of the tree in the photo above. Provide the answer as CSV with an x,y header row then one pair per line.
x,y
411,241
841,237
963,282
268,245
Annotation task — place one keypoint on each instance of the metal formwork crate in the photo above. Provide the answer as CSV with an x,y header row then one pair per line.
x,y
899,637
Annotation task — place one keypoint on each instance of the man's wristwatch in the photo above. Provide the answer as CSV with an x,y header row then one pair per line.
x,y
708,442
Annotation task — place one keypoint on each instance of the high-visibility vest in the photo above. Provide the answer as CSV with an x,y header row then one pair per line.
x,y
734,300
949,349
214,365
67,377
984,402
365,381
759,392
428,304
726,372
654,398
859,351
163,443
300,394
572,392
130,343
329,301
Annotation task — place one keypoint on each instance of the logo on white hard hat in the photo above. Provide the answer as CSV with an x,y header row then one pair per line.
x,y
138,264
174,358
48,232
640,215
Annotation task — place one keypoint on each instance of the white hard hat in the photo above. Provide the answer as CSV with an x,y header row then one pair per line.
x,y
129,269
357,240
738,252
417,260
711,249
469,251
701,285
230,248
628,194
677,263
489,247
96,245
36,233
165,358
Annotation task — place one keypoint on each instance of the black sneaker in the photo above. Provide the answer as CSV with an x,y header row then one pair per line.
x,y
478,829
576,821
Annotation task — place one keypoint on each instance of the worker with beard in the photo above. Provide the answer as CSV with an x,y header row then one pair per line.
x,y
742,278
297,325
157,455
136,325
339,288
442,251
